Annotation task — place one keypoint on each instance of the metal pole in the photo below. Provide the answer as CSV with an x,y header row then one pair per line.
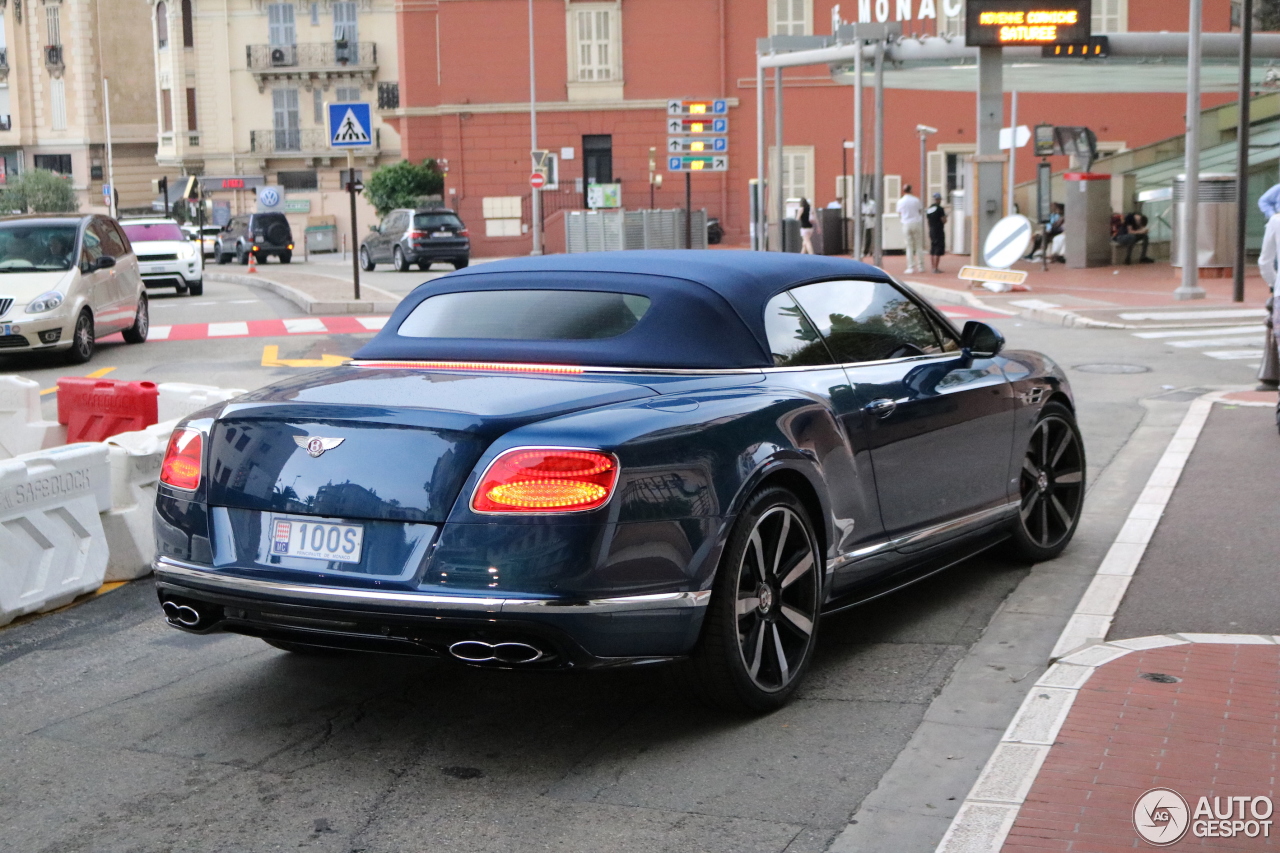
x,y
1242,151
536,194
988,162
1190,288
355,237
779,201
858,236
848,188
1013,152
111,173
760,226
877,234
924,166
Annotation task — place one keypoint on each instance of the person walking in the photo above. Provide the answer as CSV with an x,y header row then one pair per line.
x,y
868,224
1269,204
806,227
937,218
911,215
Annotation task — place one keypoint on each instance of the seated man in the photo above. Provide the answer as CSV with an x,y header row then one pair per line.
x,y
1136,229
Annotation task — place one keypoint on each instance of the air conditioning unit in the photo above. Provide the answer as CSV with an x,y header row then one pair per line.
x,y
281,56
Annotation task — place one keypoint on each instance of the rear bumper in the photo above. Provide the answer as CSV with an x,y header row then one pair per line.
x,y
442,252
587,633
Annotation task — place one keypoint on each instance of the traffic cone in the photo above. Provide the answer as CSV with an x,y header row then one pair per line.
x,y
253,267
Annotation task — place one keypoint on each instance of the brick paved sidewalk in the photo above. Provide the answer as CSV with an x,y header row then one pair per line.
x,y
1213,733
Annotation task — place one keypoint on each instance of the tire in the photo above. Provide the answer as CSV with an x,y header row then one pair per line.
x,y
137,333
82,341
260,257
302,649
1051,486
242,257
461,263
196,288
180,289
398,261
424,265
285,257
366,263
279,233
762,623
223,257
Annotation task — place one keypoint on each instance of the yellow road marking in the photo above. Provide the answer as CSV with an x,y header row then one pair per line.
x,y
97,374
271,358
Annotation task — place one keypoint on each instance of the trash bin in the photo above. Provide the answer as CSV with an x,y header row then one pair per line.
x,y
828,237
1215,223
792,235
322,234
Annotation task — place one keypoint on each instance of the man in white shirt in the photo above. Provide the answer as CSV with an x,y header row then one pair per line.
x,y
868,224
911,215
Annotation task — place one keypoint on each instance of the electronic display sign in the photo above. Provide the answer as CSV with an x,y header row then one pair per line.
x,y
1027,23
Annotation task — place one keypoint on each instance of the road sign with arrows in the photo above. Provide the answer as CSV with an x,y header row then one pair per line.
x,y
698,163
697,145
698,126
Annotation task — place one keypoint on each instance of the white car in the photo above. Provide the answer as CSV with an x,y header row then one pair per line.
x,y
209,240
66,280
166,256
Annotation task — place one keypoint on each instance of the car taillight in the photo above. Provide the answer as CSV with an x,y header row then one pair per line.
x,y
417,235
531,479
464,233
182,459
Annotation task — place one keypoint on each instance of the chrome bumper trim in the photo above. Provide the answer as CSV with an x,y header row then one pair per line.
x,y
168,569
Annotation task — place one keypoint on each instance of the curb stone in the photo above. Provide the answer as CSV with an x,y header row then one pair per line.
x,y
304,300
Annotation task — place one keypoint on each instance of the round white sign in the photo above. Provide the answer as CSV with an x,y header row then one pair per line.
x,y
1008,241
269,196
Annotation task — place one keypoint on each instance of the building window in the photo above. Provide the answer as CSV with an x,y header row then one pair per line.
x,y
188,25
166,111
315,14
280,27
162,25
597,36
317,106
951,25
346,94
58,102
1110,16
791,17
797,171
52,25
344,21
191,111
284,110
60,163
307,180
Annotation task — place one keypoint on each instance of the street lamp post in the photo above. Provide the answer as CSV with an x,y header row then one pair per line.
x,y
536,194
1190,288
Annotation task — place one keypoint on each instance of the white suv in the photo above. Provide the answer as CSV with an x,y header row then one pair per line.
x,y
166,256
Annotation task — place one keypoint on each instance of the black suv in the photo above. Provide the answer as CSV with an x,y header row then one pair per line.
x,y
422,236
259,234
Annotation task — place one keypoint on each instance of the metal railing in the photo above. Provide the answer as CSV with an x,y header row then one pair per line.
x,y
388,96
53,56
271,57
309,140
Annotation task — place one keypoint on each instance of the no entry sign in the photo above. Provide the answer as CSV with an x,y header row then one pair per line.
x,y
537,180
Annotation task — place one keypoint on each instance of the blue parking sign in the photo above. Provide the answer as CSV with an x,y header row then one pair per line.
x,y
350,125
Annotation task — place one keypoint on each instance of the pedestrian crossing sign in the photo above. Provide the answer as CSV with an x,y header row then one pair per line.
x,y
350,125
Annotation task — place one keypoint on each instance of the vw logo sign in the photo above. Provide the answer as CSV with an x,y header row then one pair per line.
x,y
269,196
1161,817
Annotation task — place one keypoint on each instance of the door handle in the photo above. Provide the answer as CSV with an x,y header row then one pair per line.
x,y
881,408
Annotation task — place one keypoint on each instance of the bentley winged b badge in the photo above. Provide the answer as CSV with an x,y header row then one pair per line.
x,y
316,446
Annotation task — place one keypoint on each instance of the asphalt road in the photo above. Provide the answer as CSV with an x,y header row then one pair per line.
x,y
118,733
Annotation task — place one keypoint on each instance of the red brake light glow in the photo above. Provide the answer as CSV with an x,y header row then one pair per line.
x,y
546,480
182,459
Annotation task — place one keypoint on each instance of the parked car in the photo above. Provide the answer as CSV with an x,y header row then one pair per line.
x,y
166,256
66,280
259,234
422,237
619,458
207,238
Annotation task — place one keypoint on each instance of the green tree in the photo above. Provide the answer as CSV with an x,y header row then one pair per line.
x,y
403,184
39,191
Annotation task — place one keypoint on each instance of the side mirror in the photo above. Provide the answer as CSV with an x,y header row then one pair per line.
x,y
375,228
978,340
104,262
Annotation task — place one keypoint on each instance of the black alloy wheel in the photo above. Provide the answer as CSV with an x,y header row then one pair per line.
x,y
137,333
398,261
761,625
1051,486
82,339
242,257
366,262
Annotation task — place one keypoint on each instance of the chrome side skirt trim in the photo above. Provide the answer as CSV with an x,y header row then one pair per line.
x,y
176,571
926,533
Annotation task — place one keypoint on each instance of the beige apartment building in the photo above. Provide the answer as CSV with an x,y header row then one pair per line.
x,y
54,56
240,94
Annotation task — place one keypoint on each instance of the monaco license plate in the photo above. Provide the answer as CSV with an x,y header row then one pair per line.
x,y
438,234
317,540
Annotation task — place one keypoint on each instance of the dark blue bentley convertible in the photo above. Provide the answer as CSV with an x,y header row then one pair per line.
x,y
600,460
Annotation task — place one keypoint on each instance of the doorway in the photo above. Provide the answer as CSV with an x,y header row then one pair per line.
x,y
597,162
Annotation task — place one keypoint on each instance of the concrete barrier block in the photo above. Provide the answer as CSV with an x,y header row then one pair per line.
x,y
22,427
51,536
135,459
179,399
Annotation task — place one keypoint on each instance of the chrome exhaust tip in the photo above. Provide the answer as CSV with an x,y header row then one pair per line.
x,y
181,614
478,651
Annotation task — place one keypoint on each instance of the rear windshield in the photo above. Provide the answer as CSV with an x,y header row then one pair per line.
x,y
25,247
143,232
427,221
525,315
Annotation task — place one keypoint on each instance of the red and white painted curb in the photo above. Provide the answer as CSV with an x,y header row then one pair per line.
x,y
268,328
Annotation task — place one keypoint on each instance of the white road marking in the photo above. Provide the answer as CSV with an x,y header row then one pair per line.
x,y
1235,354
158,333
373,324
1193,333
223,330
300,325
242,301
1220,314
1034,303
1239,341
202,302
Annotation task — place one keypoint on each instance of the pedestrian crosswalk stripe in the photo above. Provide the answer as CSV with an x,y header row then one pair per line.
x,y
1235,354
373,324
1243,340
1220,314
158,333
262,328
1201,331
303,325
224,330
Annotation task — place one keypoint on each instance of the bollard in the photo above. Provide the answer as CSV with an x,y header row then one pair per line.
x,y
94,409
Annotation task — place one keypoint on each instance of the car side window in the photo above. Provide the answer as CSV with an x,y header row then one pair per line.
x,y
122,237
397,222
867,320
793,342
92,247
111,244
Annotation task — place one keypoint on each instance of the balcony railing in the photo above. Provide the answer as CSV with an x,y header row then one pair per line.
x,y
292,141
388,96
53,58
323,56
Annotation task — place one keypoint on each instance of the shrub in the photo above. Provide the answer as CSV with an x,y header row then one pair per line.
x,y
402,184
39,191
